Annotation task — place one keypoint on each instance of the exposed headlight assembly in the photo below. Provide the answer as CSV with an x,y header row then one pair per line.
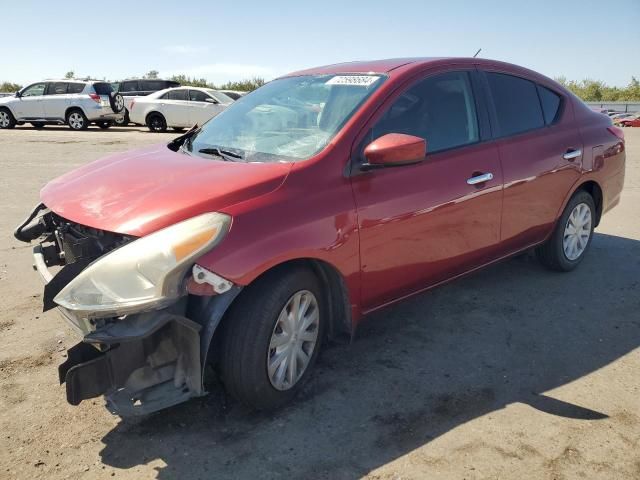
x,y
144,274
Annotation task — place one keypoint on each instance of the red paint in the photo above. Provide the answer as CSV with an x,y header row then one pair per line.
x,y
390,232
395,149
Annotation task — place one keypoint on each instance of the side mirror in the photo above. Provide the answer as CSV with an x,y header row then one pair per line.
x,y
394,150
18,94
210,100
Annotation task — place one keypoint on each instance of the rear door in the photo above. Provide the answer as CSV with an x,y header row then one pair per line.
x,y
535,132
424,223
204,106
176,108
56,100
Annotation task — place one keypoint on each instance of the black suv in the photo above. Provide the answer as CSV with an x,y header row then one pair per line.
x,y
137,88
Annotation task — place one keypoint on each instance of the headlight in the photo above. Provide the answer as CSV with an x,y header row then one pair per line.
x,y
145,273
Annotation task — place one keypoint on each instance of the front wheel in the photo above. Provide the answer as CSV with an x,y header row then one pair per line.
x,y
156,123
572,236
272,338
6,119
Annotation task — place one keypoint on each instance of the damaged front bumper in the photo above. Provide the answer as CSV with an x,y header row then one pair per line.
x,y
141,362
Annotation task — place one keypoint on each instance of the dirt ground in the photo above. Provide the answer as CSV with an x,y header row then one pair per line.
x,y
513,372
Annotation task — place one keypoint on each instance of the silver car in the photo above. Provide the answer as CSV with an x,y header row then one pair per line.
x,y
76,103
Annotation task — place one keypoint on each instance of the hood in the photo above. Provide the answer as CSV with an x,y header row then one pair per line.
x,y
141,191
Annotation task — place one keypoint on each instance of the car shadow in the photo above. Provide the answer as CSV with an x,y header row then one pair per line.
x,y
415,371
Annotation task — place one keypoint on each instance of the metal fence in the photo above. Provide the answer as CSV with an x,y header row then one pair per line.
x,y
617,106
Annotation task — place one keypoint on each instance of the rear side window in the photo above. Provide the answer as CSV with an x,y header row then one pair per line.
x,y
550,104
102,88
177,95
440,109
517,105
75,88
128,87
154,85
57,88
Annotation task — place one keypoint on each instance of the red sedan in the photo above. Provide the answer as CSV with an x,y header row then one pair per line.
x,y
320,197
630,122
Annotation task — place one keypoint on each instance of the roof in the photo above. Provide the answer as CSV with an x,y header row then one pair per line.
x,y
367,66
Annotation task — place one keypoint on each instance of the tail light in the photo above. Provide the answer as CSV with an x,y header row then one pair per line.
x,y
617,131
95,97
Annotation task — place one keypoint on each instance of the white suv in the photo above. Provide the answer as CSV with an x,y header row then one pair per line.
x,y
74,102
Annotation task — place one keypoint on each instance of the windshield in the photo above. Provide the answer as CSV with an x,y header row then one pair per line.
x,y
289,119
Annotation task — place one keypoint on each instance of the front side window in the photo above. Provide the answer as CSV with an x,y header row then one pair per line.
x,y
288,119
516,103
440,109
34,90
197,96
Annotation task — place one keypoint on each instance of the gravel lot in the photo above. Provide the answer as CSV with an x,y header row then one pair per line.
x,y
513,372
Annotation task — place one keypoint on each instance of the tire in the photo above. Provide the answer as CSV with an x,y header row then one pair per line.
x,y
77,120
556,253
37,124
7,120
124,121
116,101
104,125
156,122
254,321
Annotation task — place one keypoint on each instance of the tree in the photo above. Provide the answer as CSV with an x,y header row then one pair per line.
x,y
70,74
151,74
9,87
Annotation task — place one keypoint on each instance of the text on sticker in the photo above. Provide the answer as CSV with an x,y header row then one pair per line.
x,y
358,80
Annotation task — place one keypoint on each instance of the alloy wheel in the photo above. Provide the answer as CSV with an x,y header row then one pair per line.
x,y
76,121
4,119
577,231
294,340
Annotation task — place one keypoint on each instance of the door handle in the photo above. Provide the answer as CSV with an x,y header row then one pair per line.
x,y
485,177
571,154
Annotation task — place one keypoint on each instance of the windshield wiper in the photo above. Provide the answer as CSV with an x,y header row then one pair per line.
x,y
224,154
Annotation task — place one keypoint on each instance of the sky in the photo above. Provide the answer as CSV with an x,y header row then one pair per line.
x,y
223,41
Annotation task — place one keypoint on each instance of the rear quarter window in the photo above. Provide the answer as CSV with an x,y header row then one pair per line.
x,y
516,104
75,88
550,102
102,88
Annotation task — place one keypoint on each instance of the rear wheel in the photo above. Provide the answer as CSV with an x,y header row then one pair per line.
x,y
156,122
38,124
272,338
6,119
572,236
77,120
124,120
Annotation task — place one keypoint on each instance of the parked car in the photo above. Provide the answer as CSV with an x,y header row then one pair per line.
x,y
233,94
323,196
139,87
620,116
633,121
177,108
74,102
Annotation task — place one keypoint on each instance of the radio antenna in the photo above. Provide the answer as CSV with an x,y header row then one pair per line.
x,y
479,50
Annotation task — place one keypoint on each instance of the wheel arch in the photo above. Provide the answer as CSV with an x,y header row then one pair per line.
x,y
70,109
8,107
213,311
595,190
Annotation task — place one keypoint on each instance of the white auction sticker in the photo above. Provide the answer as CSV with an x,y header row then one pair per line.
x,y
357,80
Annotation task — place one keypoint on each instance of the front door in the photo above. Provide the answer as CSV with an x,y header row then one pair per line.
x,y
424,223
30,104
204,107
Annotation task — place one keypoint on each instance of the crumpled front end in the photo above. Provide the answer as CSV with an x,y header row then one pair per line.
x,y
146,359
